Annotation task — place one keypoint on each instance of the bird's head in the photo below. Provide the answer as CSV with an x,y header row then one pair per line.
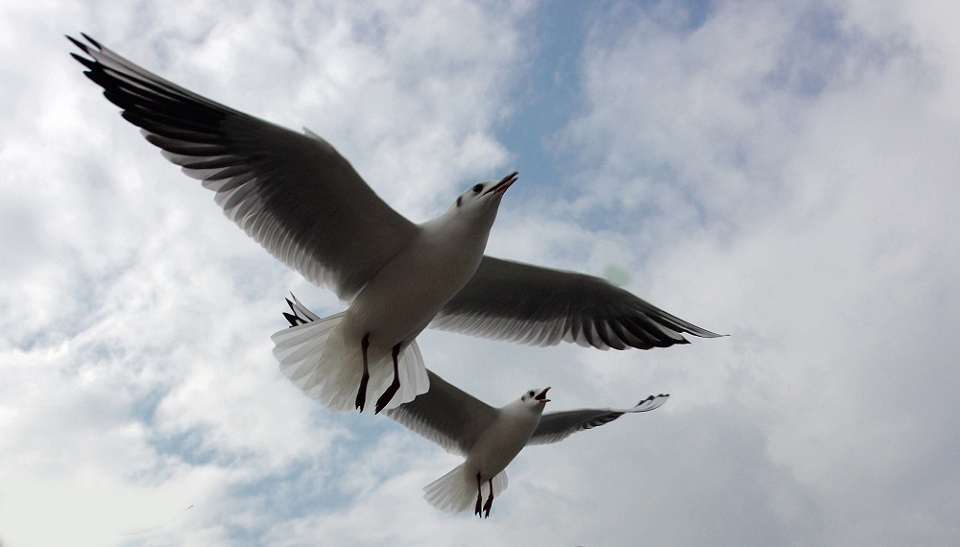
x,y
483,198
535,398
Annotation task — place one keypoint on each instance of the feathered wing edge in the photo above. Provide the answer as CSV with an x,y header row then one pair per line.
x,y
292,193
508,300
556,426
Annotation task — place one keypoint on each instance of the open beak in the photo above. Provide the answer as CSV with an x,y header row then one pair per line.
x,y
543,396
504,183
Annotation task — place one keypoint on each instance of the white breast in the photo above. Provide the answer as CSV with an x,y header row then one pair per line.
x,y
403,297
503,440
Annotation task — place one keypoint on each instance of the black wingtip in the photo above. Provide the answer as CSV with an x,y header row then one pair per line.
x,y
662,398
76,42
83,46
89,63
95,43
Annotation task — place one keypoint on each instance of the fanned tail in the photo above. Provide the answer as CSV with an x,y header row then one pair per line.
x,y
313,353
456,491
300,350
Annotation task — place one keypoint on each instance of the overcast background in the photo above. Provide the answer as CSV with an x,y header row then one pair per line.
x,y
783,172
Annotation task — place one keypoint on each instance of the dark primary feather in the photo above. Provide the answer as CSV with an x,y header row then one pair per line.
x,y
556,426
294,194
509,300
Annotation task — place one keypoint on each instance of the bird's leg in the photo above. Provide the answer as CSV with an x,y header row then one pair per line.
x,y
489,504
362,392
476,510
392,390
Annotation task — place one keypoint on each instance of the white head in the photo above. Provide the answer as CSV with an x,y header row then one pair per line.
x,y
483,198
535,399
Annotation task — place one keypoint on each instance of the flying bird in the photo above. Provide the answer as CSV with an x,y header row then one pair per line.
x,y
304,203
489,438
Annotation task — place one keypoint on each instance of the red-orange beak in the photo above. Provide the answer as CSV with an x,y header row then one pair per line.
x,y
543,396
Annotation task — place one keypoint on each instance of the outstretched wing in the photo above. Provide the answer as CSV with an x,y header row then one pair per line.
x,y
519,302
446,415
556,426
294,194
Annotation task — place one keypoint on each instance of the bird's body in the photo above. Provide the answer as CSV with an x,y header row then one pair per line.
x,y
404,297
304,203
490,438
395,306
509,430
500,443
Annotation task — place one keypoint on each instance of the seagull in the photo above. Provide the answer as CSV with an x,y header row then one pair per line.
x,y
304,203
489,438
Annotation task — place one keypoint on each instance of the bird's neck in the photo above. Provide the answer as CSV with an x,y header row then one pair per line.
x,y
466,230
521,412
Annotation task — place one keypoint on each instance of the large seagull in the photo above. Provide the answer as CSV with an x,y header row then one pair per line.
x,y
304,203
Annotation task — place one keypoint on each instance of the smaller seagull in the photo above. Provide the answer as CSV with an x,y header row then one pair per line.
x,y
489,438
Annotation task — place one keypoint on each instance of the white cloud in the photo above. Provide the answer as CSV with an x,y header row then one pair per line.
x,y
818,225
785,173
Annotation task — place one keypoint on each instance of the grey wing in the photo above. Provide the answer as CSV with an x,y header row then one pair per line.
x,y
292,193
556,426
446,415
513,301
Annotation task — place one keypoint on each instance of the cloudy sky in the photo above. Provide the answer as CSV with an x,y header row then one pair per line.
x,y
784,172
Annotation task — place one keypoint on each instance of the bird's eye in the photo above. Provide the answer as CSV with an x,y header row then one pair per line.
x,y
531,393
477,188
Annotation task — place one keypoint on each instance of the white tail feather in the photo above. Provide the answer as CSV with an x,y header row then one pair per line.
x,y
317,359
413,376
456,491
298,348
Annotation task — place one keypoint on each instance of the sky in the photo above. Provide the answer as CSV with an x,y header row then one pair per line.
x,y
784,172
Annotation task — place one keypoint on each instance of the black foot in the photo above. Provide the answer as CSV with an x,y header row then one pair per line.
x,y
476,510
385,397
489,504
362,392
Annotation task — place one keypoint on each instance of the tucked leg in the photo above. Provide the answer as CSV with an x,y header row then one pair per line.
x,y
476,510
362,392
489,504
384,399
